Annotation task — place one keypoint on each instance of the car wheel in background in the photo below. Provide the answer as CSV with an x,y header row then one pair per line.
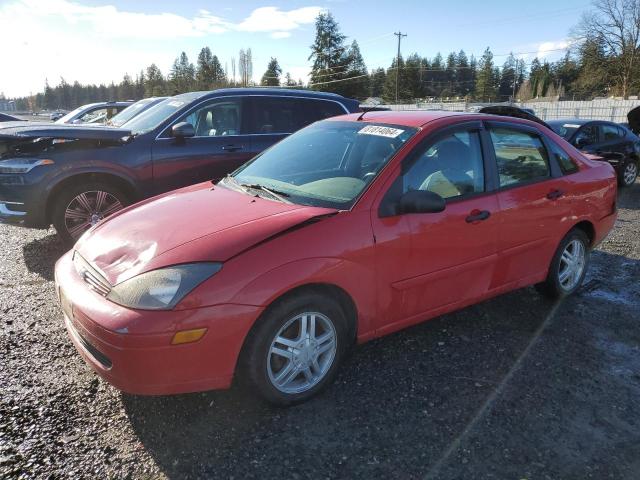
x,y
79,208
295,348
628,173
568,267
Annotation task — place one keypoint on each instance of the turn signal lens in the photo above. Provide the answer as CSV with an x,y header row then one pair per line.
x,y
188,336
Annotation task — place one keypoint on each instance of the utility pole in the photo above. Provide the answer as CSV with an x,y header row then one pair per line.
x,y
399,35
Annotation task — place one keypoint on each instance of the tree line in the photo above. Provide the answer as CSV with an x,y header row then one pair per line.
x,y
603,61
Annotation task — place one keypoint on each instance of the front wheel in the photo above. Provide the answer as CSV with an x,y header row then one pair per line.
x,y
568,266
295,349
628,173
79,208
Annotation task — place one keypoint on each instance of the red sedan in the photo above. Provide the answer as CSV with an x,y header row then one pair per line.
x,y
348,230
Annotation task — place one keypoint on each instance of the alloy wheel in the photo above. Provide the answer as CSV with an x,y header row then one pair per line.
x,y
630,173
302,352
572,265
87,209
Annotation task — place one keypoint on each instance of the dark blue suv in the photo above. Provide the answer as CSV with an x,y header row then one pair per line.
x,y
72,176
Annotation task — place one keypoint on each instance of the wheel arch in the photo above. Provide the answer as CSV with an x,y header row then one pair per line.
x,y
344,299
113,179
588,228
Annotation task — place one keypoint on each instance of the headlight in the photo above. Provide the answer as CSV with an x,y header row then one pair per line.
x,y
162,289
23,165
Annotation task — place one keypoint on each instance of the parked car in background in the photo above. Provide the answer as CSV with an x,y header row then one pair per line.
x,y
94,113
4,117
73,176
350,229
57,115
613,142
134,109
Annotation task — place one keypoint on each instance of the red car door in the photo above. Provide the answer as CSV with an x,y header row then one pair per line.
x,y
431,262
535,204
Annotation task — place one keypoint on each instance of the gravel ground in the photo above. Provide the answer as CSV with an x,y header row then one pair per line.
x,y
514,388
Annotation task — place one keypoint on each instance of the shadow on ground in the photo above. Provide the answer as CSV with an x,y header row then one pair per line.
x,y
41,255
401,401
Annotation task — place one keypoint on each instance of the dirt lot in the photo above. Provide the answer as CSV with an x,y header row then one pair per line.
x,y
514,388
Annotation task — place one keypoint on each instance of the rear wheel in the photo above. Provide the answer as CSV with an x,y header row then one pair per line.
x,y
568,267
295,349
628,173
79,208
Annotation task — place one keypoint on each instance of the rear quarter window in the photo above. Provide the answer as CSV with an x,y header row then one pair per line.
x,y
566,163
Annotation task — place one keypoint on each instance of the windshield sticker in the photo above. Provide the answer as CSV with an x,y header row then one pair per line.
x,y
381,131
176,103
570,125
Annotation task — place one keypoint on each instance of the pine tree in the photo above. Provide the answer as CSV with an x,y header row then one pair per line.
x,y
328,54
182,75
376,83
154,84
389,91
356,70
204,69
485,78
464,74
289,81
271,77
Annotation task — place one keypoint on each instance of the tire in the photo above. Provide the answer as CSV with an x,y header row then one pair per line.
x,y
77,209
628,173
557,285
280,378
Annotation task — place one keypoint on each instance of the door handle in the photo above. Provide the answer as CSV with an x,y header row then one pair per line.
x,y
555,194
231,148
478,216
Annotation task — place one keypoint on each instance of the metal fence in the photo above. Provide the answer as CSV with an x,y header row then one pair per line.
x,y
606,109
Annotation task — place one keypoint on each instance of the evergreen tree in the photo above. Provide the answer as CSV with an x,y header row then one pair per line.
x,y
389,91
376,83
182,75
288,81
356,70
508,78
271,77
328,54
464,74
485,78
126,89
204,69
154,85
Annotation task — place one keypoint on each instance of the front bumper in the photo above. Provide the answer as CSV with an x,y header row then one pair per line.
x,y
12,212
131,349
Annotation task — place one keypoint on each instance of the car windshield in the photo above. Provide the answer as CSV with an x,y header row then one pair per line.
x,y
130,112
564,129
327,164
154,116
71,114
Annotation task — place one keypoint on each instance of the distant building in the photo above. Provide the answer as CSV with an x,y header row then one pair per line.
x,y
7,105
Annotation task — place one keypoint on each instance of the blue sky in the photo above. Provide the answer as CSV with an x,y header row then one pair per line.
x,y
100,40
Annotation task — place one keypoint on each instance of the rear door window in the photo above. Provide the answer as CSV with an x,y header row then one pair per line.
x,y
283,115
610,132
587,135
564,160
521,156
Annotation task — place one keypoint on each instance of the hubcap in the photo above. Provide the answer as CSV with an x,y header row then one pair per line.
x,y
302,352
87,209
572,263
630,173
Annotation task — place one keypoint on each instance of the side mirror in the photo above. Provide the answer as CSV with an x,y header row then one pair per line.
x,y
421,201
183,130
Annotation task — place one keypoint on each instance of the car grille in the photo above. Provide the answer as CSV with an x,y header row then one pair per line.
x,y
90,275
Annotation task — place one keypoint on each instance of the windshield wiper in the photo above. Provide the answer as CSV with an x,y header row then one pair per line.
x,y
277,194
245,187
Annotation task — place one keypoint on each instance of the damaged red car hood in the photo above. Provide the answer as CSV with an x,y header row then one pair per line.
x,y
197,223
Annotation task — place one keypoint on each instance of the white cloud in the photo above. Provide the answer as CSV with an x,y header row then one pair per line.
x,y
94,44
546,49
280,35
269,19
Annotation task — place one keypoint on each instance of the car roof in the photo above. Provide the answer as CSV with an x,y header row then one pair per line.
x,y
578,121
419,118
407,118
255,91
